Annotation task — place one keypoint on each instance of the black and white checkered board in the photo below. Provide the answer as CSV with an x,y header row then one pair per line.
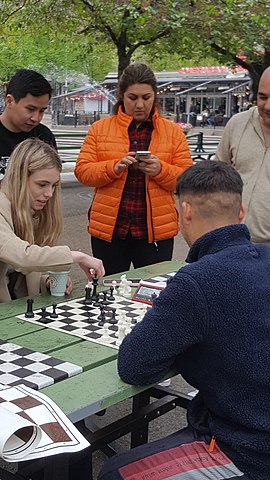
x,y
19,365
160,280
78,319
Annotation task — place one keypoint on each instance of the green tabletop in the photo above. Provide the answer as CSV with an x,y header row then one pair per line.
x,y
99,386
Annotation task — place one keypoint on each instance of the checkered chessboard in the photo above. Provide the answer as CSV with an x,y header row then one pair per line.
x,y
160,280
76,318
19,365
58,434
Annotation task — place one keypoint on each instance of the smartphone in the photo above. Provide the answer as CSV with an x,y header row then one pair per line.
x,y
141,155
108,281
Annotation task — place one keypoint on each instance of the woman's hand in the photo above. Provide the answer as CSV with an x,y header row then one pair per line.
x,y
125,162
68,286
150,166
90,265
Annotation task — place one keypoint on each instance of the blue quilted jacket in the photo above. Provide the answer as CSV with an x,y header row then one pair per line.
x,y
213,323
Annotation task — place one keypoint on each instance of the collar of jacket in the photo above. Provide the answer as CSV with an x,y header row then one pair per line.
x,y
217,240
125,120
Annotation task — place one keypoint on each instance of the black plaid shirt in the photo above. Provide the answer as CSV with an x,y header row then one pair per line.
x,y
132,211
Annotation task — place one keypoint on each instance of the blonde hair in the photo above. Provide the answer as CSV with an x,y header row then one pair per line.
x,y
45,226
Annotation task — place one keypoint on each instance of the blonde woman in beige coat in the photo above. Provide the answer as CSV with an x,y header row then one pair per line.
x,y
31,222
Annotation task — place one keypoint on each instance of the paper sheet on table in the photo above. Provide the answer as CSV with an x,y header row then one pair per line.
x,y
33,426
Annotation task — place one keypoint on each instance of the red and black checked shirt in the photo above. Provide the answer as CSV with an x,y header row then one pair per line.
x,y
132,211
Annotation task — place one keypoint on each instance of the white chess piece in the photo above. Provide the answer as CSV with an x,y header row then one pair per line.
x,y
121,334
114,285
127,289
123,279
105,333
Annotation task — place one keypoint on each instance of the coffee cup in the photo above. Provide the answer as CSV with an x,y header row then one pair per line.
x,y
58,283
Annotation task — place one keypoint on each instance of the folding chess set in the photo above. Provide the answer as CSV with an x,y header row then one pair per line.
x,y
36,370
105,318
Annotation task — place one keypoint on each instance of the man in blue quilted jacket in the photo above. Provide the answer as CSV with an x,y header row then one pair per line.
x,y
212,322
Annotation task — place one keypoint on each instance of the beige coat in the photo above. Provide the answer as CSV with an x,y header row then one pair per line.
x,y
242,145
27,259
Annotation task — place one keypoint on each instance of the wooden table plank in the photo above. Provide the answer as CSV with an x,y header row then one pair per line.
x,y
91,391
11,328
87,354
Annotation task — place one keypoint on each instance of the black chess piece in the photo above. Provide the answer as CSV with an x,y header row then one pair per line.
x,y
111,297
102,312
29,313
54,314
88,299
44,316
95,285
96,302
105,301
113,320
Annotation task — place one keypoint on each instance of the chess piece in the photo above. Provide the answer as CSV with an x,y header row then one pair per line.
x,y
111,297
105,334
121,334
114,286
54,314
95,285
29,313
113,319
127,289
44,316
88,298
105,300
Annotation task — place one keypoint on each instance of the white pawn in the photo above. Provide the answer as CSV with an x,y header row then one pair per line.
x,y
114,285
105,333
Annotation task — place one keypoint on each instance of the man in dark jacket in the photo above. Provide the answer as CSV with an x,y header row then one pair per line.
x,y
27,97
212,323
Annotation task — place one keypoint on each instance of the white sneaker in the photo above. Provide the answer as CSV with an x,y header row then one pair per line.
x,y
165,383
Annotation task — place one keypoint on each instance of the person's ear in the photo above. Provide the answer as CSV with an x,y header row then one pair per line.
x,y
241,213
10,100
186,212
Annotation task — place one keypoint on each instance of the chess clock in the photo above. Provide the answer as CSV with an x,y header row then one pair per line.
x,y
146,292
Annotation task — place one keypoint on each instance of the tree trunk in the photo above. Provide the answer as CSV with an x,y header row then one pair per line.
x,y
124,57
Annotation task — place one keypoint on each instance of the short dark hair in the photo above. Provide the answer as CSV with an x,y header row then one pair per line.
x,y
134,73
28,81
209,176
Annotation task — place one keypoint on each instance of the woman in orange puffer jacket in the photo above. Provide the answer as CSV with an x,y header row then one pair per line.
x,y
133,217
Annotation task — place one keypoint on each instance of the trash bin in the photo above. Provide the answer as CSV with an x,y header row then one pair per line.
x,y
184,117
193,119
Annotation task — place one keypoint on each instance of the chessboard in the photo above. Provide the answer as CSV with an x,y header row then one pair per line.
x,y
20,365
160,280
105,321
58,433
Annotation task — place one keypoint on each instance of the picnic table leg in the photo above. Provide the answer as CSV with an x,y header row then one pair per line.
x,y
140,435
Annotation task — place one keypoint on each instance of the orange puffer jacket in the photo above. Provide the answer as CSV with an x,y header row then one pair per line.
x,y
106,142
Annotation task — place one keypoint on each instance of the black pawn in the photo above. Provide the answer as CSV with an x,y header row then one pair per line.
x,y
113,320
105,301
29,313
111,297
43,318
54,314
102,313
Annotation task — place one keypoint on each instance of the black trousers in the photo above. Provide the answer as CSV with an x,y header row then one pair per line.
x,y
118,255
